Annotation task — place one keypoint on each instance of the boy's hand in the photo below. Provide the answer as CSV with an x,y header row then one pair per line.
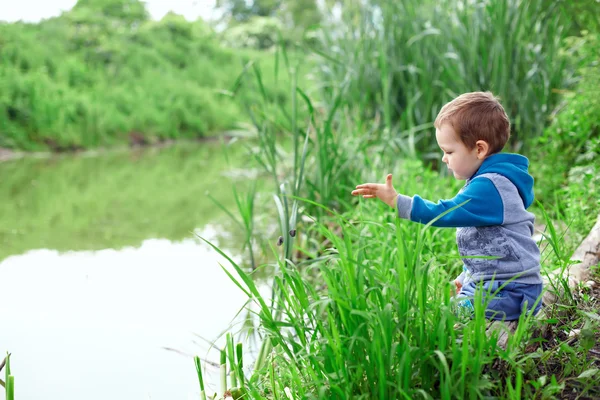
x,y
384,192
458,285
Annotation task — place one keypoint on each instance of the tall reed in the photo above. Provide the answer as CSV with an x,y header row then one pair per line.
x,y
404,59
370,314
377,322
9,379
314,160
373,317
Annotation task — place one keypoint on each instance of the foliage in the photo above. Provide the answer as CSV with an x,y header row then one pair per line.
x,y
258,32
242,10
584,14
403,60
363,308
297,15
364,319
127,12
103,73
565,161
366,312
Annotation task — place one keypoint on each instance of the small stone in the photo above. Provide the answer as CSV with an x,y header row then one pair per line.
x,y
590,284
574,333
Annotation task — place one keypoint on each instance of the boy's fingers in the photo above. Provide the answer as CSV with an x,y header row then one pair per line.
x,y
368,185
366,193
388,180
362,191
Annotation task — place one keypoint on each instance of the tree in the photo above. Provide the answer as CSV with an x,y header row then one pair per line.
x,y
299,14
127,11
303,14
243,11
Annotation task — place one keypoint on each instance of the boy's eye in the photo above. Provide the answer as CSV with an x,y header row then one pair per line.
x,y
448,152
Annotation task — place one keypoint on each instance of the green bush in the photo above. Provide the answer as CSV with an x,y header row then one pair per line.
x,y
100,72
565,161
258,32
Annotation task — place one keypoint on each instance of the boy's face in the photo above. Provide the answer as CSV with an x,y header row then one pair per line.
x,y
460,160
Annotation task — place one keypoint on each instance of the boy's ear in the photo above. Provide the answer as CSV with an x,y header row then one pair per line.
x,y
483,149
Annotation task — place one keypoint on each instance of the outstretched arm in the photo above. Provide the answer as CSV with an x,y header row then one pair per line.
x,y
383,191
479,204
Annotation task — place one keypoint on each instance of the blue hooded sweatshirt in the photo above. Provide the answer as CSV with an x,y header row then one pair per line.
x,y
493,221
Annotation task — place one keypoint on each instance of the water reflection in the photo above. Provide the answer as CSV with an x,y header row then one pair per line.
x,y
93,325
114,200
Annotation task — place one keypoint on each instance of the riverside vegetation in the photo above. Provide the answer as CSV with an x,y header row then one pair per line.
x,y
360,304
103,74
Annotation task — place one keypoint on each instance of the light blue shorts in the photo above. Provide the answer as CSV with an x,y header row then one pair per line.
x,y
506,304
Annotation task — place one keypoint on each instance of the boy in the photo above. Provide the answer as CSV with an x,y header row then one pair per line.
x,y
471,130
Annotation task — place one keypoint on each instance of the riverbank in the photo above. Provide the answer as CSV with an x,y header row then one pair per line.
x,y
8,154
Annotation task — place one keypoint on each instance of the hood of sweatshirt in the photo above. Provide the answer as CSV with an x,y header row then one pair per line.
x,y
515,168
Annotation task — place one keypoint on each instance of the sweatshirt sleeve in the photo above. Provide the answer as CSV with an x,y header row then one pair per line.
x,y
484,207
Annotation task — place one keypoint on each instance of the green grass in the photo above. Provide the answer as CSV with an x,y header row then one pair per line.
x,y
363,308
565,160
401,61
370,315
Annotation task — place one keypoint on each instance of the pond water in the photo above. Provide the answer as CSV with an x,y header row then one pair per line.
x,y
106,293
